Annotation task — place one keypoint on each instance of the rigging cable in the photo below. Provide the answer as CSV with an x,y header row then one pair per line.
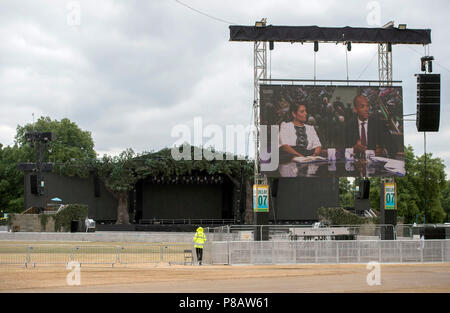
x,y
205,14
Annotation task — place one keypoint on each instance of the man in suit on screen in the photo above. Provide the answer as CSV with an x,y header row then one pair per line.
x,y
365,132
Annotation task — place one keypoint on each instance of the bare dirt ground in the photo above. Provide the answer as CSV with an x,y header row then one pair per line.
x,y
165,278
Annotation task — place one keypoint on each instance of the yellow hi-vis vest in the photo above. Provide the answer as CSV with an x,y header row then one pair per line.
x,y
199,239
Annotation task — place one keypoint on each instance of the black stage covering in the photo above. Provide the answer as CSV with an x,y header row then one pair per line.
x,y
330,34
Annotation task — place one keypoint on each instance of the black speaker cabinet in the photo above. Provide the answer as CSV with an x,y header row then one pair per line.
x,y
428,102
33,184
364,189
275,187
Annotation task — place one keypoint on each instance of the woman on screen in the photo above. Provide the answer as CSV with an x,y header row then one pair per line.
x,y
296,138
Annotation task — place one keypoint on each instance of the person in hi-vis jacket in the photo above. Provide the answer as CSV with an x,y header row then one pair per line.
x,y
199,239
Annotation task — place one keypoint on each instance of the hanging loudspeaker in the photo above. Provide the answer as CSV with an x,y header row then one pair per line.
x,y
428,102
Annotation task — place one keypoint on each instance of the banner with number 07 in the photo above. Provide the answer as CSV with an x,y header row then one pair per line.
x,y
390,193
260,198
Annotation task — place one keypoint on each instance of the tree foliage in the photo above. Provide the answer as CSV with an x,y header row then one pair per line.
x,y
340,216
71,212
11,179
445,200
70,141
346,198
420,192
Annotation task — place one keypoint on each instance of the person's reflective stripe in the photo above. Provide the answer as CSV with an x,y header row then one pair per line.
x,y
199,239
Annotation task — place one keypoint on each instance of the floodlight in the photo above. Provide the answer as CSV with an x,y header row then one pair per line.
x,y
388,24
261,23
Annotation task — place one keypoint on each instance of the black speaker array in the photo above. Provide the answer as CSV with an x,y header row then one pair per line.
x,y
364,189
34,184
428,102
275,187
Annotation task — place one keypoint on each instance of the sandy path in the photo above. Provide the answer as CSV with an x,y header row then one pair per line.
x,y
221,279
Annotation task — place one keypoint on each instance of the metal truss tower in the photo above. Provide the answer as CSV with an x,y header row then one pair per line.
x,y
385,64
260,73
385,60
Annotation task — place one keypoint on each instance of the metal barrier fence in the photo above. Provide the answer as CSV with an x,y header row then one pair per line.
x,y
94,254
285,232
320,252
412,231
234,252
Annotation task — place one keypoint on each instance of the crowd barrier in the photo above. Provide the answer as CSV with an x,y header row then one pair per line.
x,y
93,254
322,252
233,252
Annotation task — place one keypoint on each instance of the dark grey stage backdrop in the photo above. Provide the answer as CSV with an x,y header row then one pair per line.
x,y
295,199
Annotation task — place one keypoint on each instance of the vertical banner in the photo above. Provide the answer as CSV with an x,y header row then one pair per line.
x,y
390,195
260,198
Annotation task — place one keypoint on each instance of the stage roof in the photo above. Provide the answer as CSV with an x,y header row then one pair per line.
x,y
391,35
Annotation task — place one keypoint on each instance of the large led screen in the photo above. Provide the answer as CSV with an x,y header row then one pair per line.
x,y
331,131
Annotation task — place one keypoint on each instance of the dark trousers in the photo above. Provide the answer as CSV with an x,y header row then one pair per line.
x,y
199,254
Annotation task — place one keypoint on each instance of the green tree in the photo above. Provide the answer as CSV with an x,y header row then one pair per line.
x,y
120,175
419,191
433,181
11,179
445,200
408,198
346,198
70,142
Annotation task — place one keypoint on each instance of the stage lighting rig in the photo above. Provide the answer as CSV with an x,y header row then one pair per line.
x,y
42,137
39,141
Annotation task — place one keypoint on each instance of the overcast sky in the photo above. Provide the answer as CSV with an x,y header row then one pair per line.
x,y
130,71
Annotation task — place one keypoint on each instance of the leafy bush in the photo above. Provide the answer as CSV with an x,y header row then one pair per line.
x,y
10,219
71,212
340,216
44,219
